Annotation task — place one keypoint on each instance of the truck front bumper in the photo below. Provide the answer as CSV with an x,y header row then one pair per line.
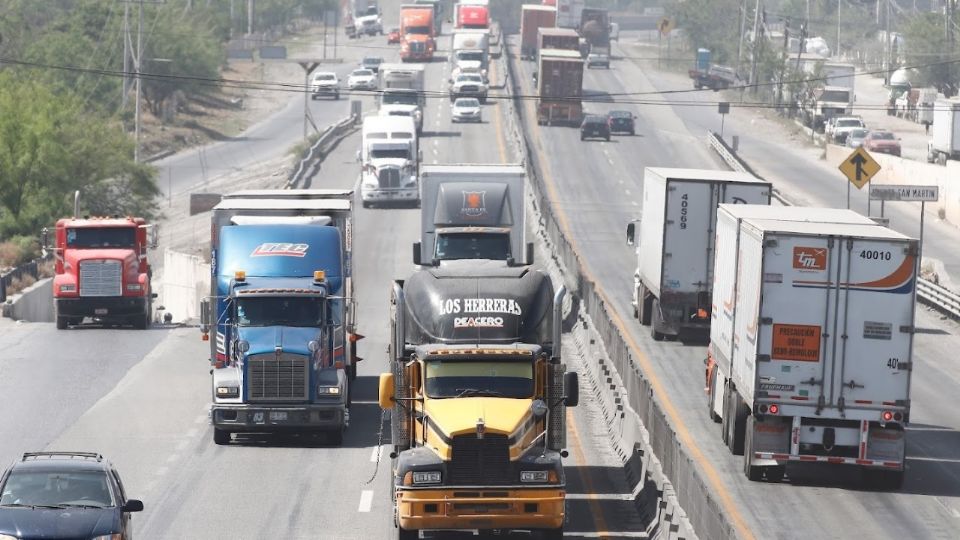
x,y
467,508
104,307
378,195
265,417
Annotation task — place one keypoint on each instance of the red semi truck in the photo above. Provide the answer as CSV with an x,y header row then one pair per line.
x,y
416,33
102,271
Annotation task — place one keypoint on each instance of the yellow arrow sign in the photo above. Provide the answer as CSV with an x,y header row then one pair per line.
x,y
859,167
665,25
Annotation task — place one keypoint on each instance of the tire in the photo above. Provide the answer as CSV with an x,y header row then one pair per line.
x,y
407,534
775,474
646,305
552,534
654,333
632,132
366,204
608,138
752,472
737,425
61,322
711,395
725,419
221,437
335,437
352,372
582,138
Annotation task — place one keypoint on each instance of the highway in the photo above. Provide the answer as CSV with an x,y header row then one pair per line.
x,y
144,403
597,186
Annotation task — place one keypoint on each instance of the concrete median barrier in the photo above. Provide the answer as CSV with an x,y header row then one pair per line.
x,y
34,304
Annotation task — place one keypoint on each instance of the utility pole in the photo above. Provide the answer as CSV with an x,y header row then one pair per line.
x,y
756,48
889,50
837,51
138,65
126,56
743,24
250,17
783,66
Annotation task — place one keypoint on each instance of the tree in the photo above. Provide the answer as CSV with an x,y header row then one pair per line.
x,y
710,24
929,51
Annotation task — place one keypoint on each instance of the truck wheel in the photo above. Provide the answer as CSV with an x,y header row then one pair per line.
x,y
141,322
552,534
407,534
645,301
737,425
775,474
711,396
335,437
725,419
352,372
752,472
61,322
654,317
221,437
883,479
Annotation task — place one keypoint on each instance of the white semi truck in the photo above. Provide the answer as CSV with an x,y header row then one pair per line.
x,y
472,211
810,355
946,131
675,252
389,159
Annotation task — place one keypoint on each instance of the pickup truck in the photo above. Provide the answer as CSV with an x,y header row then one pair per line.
x,y
715,78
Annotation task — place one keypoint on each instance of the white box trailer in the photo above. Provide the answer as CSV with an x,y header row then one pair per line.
x,y
945,143
674,275
811,355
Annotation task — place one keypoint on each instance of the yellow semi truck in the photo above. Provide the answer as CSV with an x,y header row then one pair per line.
x,y
477,393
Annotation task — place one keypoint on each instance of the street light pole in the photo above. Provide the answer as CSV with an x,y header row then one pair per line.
x,y
837,53
138,67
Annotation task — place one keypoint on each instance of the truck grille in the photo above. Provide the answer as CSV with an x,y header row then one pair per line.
x,y
101,278
481,462
417,47
469,88
389,177
282,377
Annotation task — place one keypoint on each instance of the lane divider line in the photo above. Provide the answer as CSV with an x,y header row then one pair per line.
x,y
596,512
366,500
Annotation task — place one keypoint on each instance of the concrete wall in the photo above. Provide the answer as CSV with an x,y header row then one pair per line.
x,y
181,285
34,304
895,170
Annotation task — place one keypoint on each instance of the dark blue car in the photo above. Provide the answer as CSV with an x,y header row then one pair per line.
x,y
64,495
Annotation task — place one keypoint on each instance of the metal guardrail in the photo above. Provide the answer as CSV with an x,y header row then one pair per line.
x,y
928,292
310,163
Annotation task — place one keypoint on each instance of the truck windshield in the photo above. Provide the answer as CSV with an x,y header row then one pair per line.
x,y
401,98
387,153
469,378
104,237
473,246
280,311
835,95
421,30
470,55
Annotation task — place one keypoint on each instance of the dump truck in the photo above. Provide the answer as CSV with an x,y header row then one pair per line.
x,y
811,348
101,270
559,87
472,211
478,393
282,313
676,245
532,18
595,28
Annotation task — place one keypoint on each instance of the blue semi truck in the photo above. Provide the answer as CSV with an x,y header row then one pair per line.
x,y
281,311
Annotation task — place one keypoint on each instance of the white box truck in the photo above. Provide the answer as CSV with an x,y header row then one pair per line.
x,y
810,353
946,131
472,211
674,275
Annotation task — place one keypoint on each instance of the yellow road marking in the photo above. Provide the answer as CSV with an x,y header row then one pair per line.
x,y
596,512
730,507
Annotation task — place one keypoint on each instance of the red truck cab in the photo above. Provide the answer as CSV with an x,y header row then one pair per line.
x,y
102,271
417,34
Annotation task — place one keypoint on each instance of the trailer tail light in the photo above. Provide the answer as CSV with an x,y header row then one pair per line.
x,y
887,416
898,416
773,408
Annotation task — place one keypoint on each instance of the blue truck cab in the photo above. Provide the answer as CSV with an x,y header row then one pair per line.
x,y
281,315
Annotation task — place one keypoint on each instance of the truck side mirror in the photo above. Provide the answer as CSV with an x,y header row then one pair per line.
x,y
529,258
631,233
416,254
45,238
385,395
154,233
571,389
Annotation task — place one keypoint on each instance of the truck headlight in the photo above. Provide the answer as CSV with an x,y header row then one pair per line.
x,y
426,477
228,391
534,476
328,390
63,288
134,287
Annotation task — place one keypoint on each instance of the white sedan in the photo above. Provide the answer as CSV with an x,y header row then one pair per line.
x,y
362,79
466,109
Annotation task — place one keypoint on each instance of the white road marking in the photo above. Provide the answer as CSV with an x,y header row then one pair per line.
x,y
620,181
366,500
627,191
160,471
436,142
634,203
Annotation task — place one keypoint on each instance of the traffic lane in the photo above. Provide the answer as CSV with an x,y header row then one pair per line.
x,y
270,137
680,367
797,170
49,377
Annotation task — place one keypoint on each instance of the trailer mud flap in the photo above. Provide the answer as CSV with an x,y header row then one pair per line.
x,y
771,434
886,444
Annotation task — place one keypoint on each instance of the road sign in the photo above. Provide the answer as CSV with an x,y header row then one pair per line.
x,y
859,167
665,25
891,192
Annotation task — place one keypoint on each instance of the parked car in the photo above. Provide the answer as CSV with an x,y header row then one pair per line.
x,y
362,79
598,60
372,63
882,141
325,83
394,36
621,122
594,126
64,495
466,109
856,137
